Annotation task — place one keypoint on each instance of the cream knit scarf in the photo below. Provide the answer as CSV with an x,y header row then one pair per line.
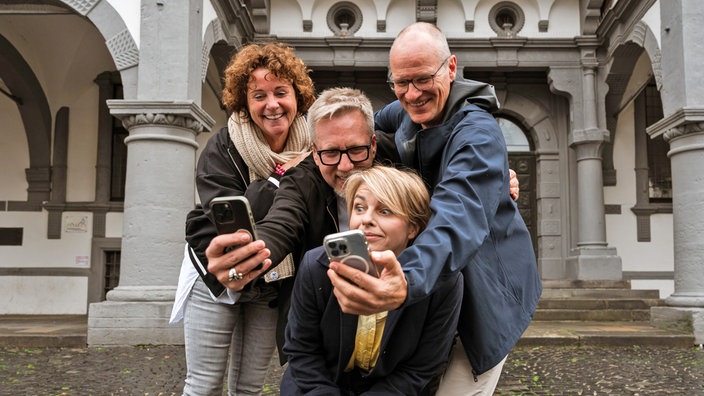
x,y
261,161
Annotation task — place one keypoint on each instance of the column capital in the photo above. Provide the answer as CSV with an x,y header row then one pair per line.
x,y
184,114
683,129
682,122
588,137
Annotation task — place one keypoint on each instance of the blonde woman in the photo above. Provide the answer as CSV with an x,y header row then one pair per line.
x,y
395,352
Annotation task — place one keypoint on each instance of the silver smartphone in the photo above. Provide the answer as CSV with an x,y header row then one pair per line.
x,y
230,214
350,248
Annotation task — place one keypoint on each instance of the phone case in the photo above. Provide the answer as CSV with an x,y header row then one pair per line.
x,y
231,214
350,248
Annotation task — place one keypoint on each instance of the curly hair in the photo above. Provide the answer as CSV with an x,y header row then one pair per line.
x,y
280,60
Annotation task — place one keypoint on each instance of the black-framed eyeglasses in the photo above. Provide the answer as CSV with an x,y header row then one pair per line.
x,y
355,154
422,83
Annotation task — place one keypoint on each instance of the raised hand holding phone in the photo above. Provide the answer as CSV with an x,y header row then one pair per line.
x,y
350,248
231,214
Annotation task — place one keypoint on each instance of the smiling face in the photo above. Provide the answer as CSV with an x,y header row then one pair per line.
x,y
272,106
342,131
384,229
410,59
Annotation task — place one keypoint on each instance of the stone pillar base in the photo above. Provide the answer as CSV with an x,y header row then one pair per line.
x,y
594,264
113,323
680,318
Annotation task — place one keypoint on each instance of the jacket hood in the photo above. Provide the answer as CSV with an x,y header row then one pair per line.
x,y
465,92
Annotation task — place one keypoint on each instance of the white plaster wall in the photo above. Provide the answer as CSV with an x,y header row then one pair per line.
x,y
65,65
14,153
564,19
37,250
451,19
286,18
113,225
400,14
43,295
621,230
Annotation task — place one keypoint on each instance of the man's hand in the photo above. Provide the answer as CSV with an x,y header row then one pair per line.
x,y
513,185
362,294
235,268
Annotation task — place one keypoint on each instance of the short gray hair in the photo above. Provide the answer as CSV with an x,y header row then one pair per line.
x,y
334,102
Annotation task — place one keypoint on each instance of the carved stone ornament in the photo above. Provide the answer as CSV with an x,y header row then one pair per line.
x,y
694,127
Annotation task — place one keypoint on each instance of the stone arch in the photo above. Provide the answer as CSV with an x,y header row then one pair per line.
x,y
535,118
35,114
213,34
618,74
118,39
643,36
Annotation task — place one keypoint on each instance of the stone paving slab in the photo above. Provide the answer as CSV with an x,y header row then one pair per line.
x,y
563,358
159,370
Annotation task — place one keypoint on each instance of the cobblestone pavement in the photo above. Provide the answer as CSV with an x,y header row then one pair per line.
x,y
159,370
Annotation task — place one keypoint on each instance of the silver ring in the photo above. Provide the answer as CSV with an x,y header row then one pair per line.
x,y
234,275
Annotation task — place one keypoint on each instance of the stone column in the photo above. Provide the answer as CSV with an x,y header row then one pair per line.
x,y
163,122
683,129
592,258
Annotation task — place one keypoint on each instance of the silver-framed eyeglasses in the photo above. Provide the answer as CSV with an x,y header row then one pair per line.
x,y
356,154
422,83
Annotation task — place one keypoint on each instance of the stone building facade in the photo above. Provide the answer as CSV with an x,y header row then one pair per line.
x,y
105,104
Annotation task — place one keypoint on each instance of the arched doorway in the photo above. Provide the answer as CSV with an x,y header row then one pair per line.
x,y
521,158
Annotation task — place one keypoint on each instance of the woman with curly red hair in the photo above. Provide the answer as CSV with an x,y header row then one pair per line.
x,y
267,92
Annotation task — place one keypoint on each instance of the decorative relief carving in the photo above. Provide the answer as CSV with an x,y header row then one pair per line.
x,y
381,25
132,120
469,26
124,50
543,25
82,7
307,25
694,127
427,11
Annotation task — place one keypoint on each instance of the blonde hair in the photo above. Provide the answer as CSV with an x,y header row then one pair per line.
x,y
335,102
402,191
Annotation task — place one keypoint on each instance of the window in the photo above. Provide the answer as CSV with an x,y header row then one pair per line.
x,y
112,271
344,19
118,153
506,19
659,175
516,140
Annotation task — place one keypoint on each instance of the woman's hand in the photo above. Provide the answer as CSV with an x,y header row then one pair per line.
x,y
513,185
236,268
362,294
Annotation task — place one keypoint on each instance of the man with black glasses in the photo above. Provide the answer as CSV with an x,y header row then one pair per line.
x,y
309,202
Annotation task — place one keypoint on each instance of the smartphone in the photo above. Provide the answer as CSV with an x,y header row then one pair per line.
x,y
232,214
350,248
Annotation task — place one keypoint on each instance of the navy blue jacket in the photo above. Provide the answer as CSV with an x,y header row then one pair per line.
x,y
475,227
320,339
